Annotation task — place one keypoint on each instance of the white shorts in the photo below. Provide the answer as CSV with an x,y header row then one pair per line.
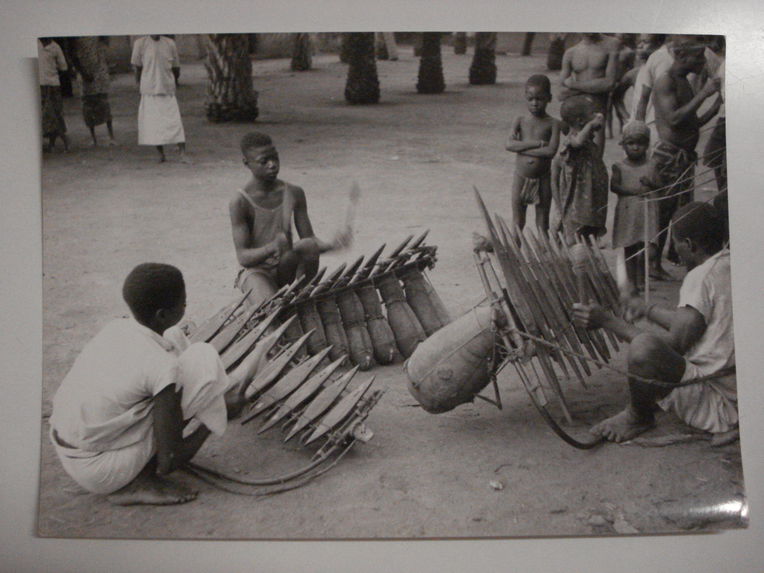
x,y
710,405
105,472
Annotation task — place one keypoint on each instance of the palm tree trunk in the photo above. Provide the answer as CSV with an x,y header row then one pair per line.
x,y
362,84
460,43
483,68
528,43
430,65
417,45
345,48
302,59
556,51
380,46
230,96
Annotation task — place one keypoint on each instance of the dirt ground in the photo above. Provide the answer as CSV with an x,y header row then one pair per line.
x,y
416,159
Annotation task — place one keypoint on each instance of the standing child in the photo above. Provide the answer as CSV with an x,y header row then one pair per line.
x,y
579,176
51,61
140,401
91,60
534,139
630,180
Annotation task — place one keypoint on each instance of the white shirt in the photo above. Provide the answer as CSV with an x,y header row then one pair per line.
x,y
50,60
720,74
707,289
659,62
157,58
106,400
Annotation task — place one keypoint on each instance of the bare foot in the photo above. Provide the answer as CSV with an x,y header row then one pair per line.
x,y
234,402
724,438
660,274
162,159
184,159
112,142
623,426
152,490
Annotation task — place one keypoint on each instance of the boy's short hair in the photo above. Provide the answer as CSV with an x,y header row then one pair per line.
x,y
255,139
576,108
682,43
151,287
540,81
636,131
700,222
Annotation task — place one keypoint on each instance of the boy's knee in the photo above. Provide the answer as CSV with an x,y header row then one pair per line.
x,y
644,349
307,248
260,287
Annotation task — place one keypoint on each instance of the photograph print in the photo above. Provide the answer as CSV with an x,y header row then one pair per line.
x,y
386,286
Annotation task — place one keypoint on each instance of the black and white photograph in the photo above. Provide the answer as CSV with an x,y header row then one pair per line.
x,y
365,288
386,285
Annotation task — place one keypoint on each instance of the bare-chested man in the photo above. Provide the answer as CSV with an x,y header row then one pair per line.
x,y
678,125
589,68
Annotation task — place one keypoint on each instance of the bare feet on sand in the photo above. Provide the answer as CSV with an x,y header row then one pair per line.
x,y
660,274
623,426
152,490
725,438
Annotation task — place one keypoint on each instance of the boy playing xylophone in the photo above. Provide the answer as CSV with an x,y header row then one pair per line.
x,y
261,222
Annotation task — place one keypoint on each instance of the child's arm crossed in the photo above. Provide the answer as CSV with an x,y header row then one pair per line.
x,y
516,144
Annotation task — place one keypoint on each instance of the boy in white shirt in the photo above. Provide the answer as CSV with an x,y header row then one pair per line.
x,y
698,341
137,405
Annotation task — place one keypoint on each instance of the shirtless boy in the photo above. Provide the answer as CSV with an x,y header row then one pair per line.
x,y
590,68
534,139
697,341
678,125
261,221
140,400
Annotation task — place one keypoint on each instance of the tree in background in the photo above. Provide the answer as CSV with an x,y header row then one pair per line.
x,y
483,68
460,43
430,65
380,46
556,51
345,48
302,58
362,84
230,95
528,43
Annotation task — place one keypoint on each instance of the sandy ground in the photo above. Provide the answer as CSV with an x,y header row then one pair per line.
x,y
416,159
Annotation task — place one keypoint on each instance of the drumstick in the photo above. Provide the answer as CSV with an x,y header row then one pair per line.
x,y
286,213
578,260
621,277
353,196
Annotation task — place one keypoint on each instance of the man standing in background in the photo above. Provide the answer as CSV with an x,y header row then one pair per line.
x,y
50,61
91,61
157,67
